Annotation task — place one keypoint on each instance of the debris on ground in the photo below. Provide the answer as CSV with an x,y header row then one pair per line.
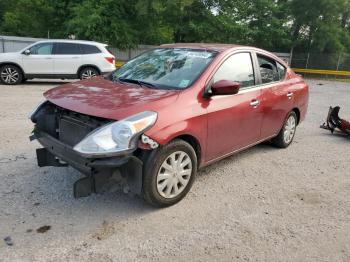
x,y
8,241
334,122
43,229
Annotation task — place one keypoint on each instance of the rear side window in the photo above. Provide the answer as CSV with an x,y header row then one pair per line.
x,y
268,70
67,49
281,71
90,49
237,68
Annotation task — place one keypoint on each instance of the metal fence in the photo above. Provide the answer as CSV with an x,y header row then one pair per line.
x,y
337,62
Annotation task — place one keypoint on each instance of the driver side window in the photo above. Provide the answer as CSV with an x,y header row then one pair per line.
x,y
41,49
237,68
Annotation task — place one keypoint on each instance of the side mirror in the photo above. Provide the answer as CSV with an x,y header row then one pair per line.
x,y
225,87
27,52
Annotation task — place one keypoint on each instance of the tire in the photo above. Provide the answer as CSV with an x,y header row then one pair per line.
x,y
11,75
287,133
156,175
88,72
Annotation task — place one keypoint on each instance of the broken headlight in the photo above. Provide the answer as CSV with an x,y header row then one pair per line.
x,y
118,137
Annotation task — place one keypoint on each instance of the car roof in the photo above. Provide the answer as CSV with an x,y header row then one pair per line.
x,y
71,41
205,46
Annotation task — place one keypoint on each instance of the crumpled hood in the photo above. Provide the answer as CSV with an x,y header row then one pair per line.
x,y
103,98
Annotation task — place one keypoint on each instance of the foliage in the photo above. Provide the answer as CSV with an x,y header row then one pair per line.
x,y
279,25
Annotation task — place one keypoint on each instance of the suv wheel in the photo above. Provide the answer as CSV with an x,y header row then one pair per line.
x,y
88,72
10,75
169,173
286,135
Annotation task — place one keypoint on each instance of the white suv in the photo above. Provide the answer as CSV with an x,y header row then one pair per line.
x,y
61,59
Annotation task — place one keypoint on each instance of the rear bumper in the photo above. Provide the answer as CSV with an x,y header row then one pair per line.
x,y
98,172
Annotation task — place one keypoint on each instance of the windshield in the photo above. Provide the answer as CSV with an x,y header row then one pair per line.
x,y
166,68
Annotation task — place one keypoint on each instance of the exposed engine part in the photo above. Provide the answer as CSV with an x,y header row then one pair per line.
x,y
334,122
146,140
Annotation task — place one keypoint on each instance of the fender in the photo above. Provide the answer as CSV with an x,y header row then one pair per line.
x,y
13,63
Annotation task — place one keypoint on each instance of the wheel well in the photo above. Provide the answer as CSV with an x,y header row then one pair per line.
x,y
85,66
297,112
14,64
194,143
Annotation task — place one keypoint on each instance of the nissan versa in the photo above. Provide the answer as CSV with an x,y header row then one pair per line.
x,y
151,124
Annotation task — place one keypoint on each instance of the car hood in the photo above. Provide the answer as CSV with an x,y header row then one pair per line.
x,y
103,98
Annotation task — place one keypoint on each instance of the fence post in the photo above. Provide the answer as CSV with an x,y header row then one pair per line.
x,y
3,44
307,60
338,63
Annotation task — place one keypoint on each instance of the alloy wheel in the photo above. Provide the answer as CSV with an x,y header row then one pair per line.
x,y
9,75
174,174
88,74
289,129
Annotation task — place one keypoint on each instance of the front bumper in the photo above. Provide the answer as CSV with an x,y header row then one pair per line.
x,y
99,172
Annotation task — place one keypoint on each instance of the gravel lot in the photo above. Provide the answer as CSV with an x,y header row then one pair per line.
x,y
263,204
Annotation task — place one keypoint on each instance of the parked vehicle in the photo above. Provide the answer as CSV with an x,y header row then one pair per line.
x,y
61,59
168,112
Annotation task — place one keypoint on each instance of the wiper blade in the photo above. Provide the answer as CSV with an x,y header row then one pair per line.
x,y
134,81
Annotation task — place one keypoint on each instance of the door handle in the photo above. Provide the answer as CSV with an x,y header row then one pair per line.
x,y
290,95
255,103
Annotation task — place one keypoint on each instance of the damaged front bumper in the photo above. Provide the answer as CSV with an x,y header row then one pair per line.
x,y
99,173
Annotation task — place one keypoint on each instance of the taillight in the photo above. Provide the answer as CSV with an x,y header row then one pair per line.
x,y
110,59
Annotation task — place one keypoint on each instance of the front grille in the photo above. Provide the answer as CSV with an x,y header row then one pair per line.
x,y
65,125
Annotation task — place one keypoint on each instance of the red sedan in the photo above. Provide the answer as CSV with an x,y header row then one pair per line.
x,y
151,124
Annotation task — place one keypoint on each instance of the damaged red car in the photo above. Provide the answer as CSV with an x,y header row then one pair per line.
x,y
151,124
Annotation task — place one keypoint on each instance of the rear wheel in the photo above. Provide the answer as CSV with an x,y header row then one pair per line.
x,y
287,133
10,75
169,173
88,72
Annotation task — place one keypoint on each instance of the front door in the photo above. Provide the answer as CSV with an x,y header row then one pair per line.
x,y
234,121
40,59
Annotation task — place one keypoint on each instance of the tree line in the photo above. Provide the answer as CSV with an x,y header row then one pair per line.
x,y
319,26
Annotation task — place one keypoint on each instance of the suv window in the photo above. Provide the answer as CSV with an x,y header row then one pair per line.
x,y
268,69
41,49
90,49
237,68
67,49
281,71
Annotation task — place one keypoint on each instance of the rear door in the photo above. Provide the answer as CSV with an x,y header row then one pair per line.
x,y
234,121
67,58
40,59
276,92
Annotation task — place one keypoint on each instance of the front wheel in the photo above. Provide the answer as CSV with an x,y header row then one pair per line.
x,y
169,173
287,133
88,72
10,75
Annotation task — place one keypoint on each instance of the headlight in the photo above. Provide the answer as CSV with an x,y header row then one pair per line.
x,y
117,137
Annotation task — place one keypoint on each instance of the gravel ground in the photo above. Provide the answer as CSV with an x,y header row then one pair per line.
x,y
263,204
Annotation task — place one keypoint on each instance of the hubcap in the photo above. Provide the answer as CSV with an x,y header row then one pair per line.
x,y
9,75
88,74
289,129
174,174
